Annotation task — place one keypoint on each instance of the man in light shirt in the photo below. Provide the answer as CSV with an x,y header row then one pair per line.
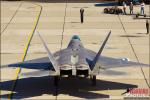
x,y
142,8
124,8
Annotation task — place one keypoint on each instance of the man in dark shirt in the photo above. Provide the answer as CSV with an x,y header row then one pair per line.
x,y
81,14
131,8
147,26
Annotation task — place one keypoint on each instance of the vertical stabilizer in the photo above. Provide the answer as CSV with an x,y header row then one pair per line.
x,y
50,56
93,65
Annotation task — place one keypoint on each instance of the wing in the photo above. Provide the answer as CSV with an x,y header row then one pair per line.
x,y
38,73
108,62
39,63
112,72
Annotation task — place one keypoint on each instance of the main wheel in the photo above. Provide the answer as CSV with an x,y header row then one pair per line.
x,y
93,80
106,10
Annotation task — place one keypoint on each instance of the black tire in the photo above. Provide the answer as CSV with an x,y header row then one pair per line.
x,y
55,80
105,10
111,11
120,11
94,80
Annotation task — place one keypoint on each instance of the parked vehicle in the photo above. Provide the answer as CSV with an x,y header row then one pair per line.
x,y
113,10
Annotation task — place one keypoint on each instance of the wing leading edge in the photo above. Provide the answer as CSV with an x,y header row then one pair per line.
x,y
109,62
39,63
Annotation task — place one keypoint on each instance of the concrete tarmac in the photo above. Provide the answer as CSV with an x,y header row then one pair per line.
x,y
128,40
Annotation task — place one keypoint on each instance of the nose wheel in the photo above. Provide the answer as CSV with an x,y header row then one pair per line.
x,y
93,79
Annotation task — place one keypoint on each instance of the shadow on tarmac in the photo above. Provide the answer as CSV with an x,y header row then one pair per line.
x,y
141,33
106,4
78,87
62,1
130,36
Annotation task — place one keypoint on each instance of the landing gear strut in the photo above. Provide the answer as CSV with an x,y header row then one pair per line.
x,y
93,78
55,80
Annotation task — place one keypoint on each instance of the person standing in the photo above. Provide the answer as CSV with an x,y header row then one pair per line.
x,y
142,8
147,26
82,14
124,8
131,8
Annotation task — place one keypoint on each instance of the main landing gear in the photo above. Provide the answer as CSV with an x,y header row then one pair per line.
x,y
93,79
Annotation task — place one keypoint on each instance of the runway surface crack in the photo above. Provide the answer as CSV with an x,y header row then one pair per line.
x,y
12,18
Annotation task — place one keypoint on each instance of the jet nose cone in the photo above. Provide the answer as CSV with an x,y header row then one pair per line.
x,y
76,37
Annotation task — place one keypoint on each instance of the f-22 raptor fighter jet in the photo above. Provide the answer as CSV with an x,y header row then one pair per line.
x,y
75,60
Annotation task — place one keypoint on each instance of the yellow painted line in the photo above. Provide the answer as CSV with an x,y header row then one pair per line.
x,y
25,52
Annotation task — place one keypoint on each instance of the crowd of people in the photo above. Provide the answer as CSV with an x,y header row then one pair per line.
x,y
131,8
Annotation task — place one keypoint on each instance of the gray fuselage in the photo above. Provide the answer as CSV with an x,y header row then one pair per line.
x,y
73,59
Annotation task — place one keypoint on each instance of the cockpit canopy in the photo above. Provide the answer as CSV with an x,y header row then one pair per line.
x,y
76,37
